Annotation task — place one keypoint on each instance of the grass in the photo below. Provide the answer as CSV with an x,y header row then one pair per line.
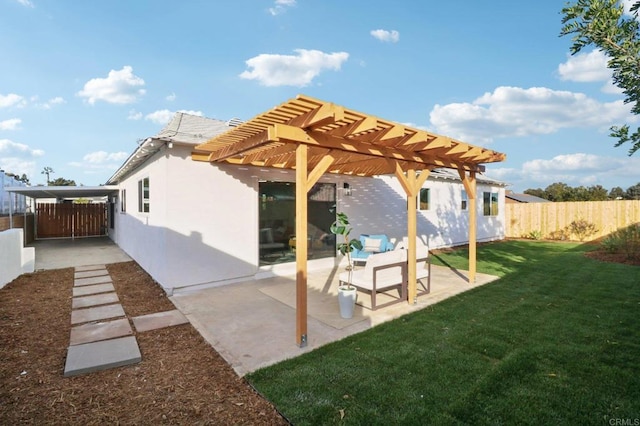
x,y
556,340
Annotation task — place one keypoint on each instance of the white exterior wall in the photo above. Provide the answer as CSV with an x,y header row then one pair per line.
x,y
379,205
16,259
202,228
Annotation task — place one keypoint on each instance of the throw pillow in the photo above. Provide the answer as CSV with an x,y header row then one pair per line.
x,y
372,244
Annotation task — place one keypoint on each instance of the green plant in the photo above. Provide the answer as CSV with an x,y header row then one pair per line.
x,y
535,235
341,227
559,235
582,229
625,240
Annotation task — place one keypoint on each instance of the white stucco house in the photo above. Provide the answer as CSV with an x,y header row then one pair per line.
x,y
193,224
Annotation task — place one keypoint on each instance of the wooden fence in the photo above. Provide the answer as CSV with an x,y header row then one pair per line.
x,y
63,220
20,220
523,219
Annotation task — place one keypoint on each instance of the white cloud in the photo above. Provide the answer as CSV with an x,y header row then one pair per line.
x,y
100,161
18,166
120,87
98,157
26,3
585,67
288,70
10,124
134,115
281,6
11,100
392,36
163,116
9,148
514,111
51,103
171,97
573,169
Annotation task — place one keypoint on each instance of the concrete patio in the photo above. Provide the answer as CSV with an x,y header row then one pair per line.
x,y
252,324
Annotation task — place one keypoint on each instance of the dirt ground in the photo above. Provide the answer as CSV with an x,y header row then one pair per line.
x,y
181,379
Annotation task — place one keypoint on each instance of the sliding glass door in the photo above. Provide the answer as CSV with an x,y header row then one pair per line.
x,y
277,221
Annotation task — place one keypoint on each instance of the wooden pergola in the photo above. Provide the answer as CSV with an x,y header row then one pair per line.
x,y
315,137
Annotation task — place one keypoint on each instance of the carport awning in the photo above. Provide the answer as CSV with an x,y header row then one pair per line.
x,y
63,191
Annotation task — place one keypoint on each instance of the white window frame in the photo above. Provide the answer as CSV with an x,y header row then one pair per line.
x,y
123,201
464,200
143,195
488,208
428,192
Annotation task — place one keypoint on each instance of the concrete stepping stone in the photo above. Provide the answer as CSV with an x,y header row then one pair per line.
x,y
98,313
94,300
89,267
92,280
88,274
94,332
92,289
97,356
159,320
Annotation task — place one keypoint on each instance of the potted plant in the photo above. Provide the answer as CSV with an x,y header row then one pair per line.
x,y
346,293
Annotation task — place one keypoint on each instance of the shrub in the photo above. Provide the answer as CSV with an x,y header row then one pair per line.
x,y
559,235
534,235
625,240
582,229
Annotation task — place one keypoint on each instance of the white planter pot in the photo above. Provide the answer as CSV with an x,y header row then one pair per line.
x,y
347,301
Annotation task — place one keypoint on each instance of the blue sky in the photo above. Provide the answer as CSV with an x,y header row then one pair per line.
x,y
82,82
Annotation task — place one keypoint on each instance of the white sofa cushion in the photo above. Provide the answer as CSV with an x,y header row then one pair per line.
x,y
386,277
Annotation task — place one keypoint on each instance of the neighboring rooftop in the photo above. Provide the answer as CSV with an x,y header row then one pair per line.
x,y
523,198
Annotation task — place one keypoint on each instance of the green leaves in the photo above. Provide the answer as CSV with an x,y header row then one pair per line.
x,y
603,24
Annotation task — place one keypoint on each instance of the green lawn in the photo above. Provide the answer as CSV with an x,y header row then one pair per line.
x,y
555,341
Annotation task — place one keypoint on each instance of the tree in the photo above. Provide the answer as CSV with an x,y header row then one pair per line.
x,y
617,193
24,179
558,192
633,192
597,193
47,171
602,23
62,182
538,192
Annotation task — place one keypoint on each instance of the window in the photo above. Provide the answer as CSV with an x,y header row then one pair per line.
x,y
277,222
143,195
464,203
123,200
424,199
490,203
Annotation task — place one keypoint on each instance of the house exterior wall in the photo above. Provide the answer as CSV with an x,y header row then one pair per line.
x,y
378,205
202,227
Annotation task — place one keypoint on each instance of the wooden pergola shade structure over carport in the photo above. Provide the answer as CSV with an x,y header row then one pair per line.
x,y
314,137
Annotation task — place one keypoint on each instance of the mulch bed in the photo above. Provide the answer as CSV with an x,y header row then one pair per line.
x,y
181,379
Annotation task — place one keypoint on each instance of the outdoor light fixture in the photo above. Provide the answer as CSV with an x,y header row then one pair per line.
x,y
347,189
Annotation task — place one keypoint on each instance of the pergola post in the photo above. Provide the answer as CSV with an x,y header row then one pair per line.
x,y
301,245
469,182
411,184
304,183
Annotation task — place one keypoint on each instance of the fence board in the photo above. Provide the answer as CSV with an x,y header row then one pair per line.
x,y
524,218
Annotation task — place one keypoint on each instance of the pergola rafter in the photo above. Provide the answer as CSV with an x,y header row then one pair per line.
x,y
316,137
